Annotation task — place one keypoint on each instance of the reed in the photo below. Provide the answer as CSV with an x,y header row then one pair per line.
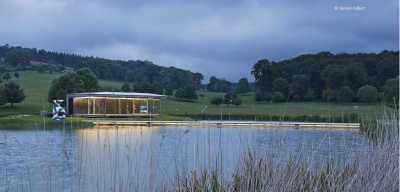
x,y
133,159
362,170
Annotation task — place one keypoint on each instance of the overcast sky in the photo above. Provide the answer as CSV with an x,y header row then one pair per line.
x,y
223,38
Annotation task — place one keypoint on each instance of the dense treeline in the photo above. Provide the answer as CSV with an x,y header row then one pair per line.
x,y
326,76
131,71
323,76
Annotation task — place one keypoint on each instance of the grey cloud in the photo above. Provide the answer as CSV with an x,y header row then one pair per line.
x,y
222,38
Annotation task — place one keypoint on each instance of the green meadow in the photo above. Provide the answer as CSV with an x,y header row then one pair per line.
x,y
36,86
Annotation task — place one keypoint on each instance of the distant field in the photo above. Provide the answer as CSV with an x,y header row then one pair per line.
x,y
36,86
265,111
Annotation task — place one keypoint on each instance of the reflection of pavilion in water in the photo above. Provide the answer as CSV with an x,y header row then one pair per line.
x,y
103,104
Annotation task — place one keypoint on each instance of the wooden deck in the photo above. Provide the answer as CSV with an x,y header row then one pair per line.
x,y
205,123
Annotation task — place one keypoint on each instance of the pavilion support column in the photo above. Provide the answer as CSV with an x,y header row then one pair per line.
x,y
133,106
105,106
88,106
153,106
147,104
94,105
160,106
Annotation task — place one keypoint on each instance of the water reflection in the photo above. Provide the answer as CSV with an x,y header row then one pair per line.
x,y
148,158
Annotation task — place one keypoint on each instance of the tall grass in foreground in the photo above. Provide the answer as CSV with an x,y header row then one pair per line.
x,y
365,170
135,159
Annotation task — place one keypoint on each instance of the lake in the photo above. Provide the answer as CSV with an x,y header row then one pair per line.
x,y
150,158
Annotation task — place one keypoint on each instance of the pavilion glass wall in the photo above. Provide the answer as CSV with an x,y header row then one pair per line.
x,y
89,105
154,106
115,106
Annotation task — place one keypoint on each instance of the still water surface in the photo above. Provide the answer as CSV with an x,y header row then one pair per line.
x,y
149,158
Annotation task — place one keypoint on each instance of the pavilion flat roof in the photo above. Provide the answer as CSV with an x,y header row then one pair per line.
x,y
117,94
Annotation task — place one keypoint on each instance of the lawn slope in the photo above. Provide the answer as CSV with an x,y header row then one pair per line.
x,y
36,86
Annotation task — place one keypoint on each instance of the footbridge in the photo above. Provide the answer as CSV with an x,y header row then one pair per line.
x,y
207,123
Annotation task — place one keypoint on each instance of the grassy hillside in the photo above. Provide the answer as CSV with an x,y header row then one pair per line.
x,y
36,86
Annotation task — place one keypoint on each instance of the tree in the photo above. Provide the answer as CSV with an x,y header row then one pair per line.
x,y
347,73
126,87
13,93
229,97
260,70
61,86
264,73
40,68
87,80
345,94
391,91
135,87
197,78
18,58
243,86
258,96
60,68
278,97
169,90
180,93
157,88
329,95
216,100
356,75
82,80
237,102
219,85
225,86
310,95
334,76
388,67
129,76
50,68
213,84
16,75
190,92
280,85
300,85
367,93
144,87
7,76
262,96
3,99
3,69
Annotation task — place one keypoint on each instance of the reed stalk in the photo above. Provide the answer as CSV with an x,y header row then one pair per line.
x,y
131,159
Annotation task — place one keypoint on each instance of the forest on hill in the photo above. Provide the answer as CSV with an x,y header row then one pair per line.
x,y
342,77
329,77
18,58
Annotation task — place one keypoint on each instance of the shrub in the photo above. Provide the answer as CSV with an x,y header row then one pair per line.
x,y
237,102
329,95
367,93
345,94
278,97
216,100
180,93
169,90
